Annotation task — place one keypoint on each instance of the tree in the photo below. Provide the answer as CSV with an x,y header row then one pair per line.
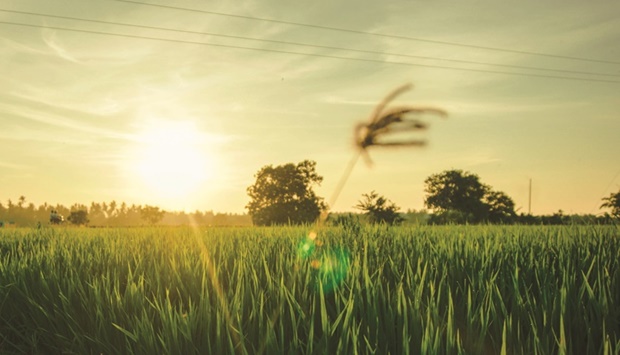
x,y
151,214
97,214
613,202
456,191
111,208
379,209
460,197
284,195
78,217
500,207
22,200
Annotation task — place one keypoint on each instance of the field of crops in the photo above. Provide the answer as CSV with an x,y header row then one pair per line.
x,y
287,290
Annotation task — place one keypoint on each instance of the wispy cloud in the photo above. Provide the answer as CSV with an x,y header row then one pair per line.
x,y
508,106
478,160
14,47
51,40
55,121
99,106
334,99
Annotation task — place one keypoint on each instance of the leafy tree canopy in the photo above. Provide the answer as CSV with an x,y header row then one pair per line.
x,y
284,195
460,197
500,207
379,209
151,214
78,217
613,202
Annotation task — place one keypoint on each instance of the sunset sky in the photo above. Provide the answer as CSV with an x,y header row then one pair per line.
x,y
185,123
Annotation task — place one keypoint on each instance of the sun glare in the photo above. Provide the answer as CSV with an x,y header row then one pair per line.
x,y
172,160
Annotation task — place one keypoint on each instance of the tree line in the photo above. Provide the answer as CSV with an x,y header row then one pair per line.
x,y
111,214
284,195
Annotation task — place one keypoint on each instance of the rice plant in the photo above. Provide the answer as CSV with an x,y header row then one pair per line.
x,y
374,289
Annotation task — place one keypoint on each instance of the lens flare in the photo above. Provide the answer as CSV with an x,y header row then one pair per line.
x,y
333,267
328,266
305,249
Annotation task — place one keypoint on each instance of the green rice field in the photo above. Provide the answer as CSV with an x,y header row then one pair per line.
x,y
295,290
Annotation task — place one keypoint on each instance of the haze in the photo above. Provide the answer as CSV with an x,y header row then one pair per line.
x,y
150,116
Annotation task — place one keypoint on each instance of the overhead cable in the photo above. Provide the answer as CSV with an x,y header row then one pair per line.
x,y
311,45
307,54
370,33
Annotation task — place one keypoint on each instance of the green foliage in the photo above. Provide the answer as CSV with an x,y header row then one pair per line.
x,y
151,214
379,209
500,207
78,217
455,190
398,290
460,197
451,217
110,214
613,202
349,222
283,195
413,217
559,218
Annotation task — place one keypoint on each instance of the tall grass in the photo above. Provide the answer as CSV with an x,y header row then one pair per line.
x,y
400,290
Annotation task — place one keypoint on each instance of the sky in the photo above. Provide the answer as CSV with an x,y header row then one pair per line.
x,y
182,108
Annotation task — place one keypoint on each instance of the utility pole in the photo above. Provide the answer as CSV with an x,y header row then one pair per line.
x,y
529,203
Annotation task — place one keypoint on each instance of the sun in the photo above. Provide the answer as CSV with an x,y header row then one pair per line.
x,y
172,160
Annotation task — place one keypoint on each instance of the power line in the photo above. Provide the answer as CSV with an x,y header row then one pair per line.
x,y
308,54
370,33
310,45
